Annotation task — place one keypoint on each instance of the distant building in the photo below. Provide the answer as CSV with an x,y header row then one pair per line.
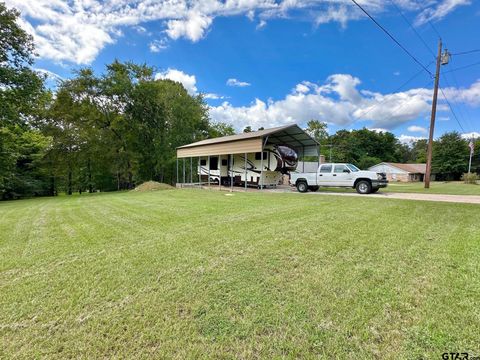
x,y
401,172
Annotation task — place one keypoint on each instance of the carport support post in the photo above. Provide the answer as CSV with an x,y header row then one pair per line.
x,y
199,172
318,155
231,169
261,169
303,159
176,174
183,171
208,170
245,171
219,172
191,170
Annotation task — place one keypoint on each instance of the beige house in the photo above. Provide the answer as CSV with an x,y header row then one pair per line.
x,y
401,172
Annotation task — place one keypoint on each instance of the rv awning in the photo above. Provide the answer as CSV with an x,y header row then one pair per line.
x,y
290,135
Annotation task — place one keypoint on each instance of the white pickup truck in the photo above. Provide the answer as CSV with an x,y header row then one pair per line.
x,y
339,175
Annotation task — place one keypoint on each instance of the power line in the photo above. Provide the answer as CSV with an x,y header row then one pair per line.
x,y
392,37
466,52
451,109
411,27
462,67
397,89
462,113
396,109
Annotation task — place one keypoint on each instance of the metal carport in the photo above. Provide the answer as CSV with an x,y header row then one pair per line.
x,y
291,135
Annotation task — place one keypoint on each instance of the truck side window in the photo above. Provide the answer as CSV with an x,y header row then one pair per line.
x,y
339,168
326,169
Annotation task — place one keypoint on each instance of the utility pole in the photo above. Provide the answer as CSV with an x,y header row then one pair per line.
x,y
441,59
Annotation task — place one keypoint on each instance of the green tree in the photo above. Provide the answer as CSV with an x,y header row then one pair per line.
x,y
317,130
248,129
21,95
450,156
21,88
364,147
220,129
419,151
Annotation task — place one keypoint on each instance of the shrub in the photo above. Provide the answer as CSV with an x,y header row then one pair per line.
x,y
470,178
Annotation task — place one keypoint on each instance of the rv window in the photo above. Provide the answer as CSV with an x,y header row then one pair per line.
x,y
258,156
224,162
203,162
326,169
214,163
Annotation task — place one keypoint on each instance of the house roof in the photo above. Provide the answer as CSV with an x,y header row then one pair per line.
x,y
411,168
291,135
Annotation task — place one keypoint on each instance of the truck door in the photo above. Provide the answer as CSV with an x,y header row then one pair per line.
x,y
324,176
342,176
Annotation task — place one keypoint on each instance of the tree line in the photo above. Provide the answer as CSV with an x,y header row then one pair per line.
x,y
112,131
95,132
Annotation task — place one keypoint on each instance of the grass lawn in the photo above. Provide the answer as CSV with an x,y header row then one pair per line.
x,y
436,187
199,274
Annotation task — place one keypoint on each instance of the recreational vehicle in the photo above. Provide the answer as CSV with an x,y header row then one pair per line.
x,y
276,161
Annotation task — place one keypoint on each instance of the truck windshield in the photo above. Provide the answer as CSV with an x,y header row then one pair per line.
x,y
353,168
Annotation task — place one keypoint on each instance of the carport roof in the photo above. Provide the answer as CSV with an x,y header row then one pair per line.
x,y
283,135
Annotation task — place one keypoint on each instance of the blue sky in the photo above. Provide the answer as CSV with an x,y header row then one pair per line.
x,y
268,63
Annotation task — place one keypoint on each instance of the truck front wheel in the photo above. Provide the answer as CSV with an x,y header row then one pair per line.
x,y
363,187
302,186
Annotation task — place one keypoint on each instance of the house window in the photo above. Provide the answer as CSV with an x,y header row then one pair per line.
x,y
258,156
203,162
214,163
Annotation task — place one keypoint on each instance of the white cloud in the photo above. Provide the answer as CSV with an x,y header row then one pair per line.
x,y
338,101
261,24
407,139
378,130
158,45
417,129
439,10
213,96
188,81
77,30
193,27
470,135
238,83
340,14
49,74
302,88
140,29
469,96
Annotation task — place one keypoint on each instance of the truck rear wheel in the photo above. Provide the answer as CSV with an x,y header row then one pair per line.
x,y
363,187
302,186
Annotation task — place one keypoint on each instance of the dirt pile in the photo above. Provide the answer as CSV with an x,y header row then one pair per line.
x,y
153,186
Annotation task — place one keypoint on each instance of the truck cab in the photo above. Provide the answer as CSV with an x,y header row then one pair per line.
x,y
339,175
